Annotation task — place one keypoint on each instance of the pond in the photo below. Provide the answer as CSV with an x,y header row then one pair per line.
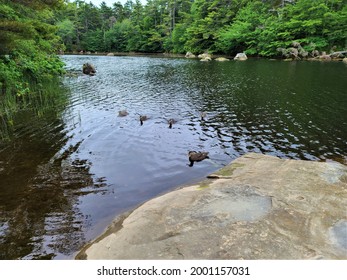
x,y
66,175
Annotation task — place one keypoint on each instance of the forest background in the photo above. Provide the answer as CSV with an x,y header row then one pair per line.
x,y
33,32
215,26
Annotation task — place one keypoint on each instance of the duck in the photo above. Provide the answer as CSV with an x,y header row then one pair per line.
x,y
143,118
122,113
171,122
196,156
203,115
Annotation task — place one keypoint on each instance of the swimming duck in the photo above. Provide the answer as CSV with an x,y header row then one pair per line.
x,y
143,118
196,156
203,115
171,122
122,113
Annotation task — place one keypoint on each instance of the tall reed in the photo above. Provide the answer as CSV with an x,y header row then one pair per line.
x,y
38,99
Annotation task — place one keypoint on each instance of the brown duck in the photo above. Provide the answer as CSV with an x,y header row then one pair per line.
x,y
143,118
196,156
171,122
203,115
122,113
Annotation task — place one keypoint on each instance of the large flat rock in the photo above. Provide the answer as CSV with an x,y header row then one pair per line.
x,y
258,207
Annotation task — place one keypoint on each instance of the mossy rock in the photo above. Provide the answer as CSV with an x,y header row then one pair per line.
x,y
229,170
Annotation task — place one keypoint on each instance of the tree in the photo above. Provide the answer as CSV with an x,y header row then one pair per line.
x,y
318,25
261,27
116,39
207,18
119,12
28,44
66,31
258,27
28,60
245,31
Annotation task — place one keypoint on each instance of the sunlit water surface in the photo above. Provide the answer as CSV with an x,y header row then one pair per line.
x,y
64,178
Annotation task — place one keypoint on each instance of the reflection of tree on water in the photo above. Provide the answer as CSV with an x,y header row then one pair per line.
x,y
39,215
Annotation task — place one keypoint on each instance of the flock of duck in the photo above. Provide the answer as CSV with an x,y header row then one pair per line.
x,y
193,156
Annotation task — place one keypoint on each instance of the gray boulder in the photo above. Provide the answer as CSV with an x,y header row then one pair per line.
x,y
315,53
241,57
190,55
204,57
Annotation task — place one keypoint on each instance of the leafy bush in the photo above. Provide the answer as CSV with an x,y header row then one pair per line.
x,y
27,52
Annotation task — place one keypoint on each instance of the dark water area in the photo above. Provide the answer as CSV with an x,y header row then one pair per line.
x,y
64,176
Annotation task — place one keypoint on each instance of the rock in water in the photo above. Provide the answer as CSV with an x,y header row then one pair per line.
x,y
88,69
241,56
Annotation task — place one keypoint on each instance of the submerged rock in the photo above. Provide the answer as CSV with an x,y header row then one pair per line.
x,y
221,59
205,57
257,207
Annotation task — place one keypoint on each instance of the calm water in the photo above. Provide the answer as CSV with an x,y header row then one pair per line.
x,y
65,176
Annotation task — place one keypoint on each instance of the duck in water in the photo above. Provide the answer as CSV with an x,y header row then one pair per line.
x,y
171,122
122,113
143,118
194,156
203,115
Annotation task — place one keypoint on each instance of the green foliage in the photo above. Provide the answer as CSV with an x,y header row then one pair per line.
x,y
208,18
257,27
260,29
66,31
116,39
243,34
27,51
136,39
179,39
93,40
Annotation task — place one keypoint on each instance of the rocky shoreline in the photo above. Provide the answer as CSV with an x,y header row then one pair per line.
x,y
293,53
257,207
